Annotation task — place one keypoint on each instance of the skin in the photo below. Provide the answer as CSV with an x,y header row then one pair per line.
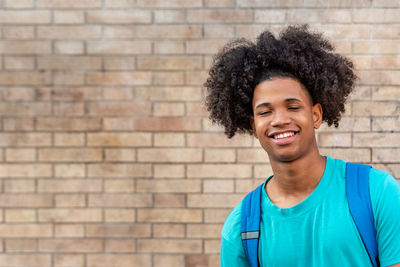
x,y
282,104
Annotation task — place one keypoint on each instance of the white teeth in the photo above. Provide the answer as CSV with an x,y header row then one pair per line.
x,y
283,135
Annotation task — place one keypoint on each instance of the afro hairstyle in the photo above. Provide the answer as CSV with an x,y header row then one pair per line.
x,y
298,53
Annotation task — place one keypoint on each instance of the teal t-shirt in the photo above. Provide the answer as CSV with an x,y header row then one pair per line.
x,y
320,231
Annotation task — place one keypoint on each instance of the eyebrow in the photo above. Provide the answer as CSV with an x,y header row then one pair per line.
x,y
267,104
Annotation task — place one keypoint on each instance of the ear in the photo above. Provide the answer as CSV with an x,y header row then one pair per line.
x,y
253,126
317,115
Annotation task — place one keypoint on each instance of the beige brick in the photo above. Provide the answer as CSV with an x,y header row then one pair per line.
x,y
25,109
213,200
361,93
219,171
118,124
169,47
71,245
219,31
25,17
119,78
18,124
339,3
169,200
69,47
69,63
337,16
119,215
120,3
19,186
118,139
120,245
168,124
379,78
217,140
69,17
68,109
390,32
262,3
385,155
69,230
169,63
20,154
335,139
375,108
69,185
19,3
204,46
303,16
362,62
69,32
376,16
168,230
69,170
219,155
349,124
361,155
68,260
119,185
169,139
168,78
386,124
212,246
118,260
252,155
376,47
219,3
119,16
219,16
127,200
119,109
70,215
68,124
119,63
25,78
76,93
215,215
70,200
19,63
375,139
118,94
25,230
168,109
168,186
169,3
26,260
195,109
168,93
170,215
169,260
204,230
386,3
386,93
69,154
20,215
69,139
118,230
251,32
270,16
119,170
169,155
119,155
218,186
63,78
169,16
70,4
119,47
25,170
169,171
385,62
170,246
118,32
21,245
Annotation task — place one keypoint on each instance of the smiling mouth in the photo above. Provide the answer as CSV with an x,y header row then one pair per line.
x,y
283,135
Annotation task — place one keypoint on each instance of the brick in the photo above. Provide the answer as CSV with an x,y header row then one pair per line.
x,y
379,78
385,155
219,16
218,171
20,215
168,78
169,16
361,155
119,78
169,171
119,16
25,200
25,170
70,4
376,16
385,3
169,155
26,260
25,230
119,109
70,200
69,47
168,230
19,124
195,109
209,126
303,16
386,124
118,170
68,124
20,154
69,17
118,260
218,186
376,47
118,94
169,260
119,215
25,109
169,139
252,155
169,201
202,260
19,3
170,63
21,245
118,230
69,63
70,215
63,78
118,139
168,186
262,3
219,3
69,186
343,31
219,31
71,245
339,3
385,62
213,200
69,155
69,230
118,155
169,47
119,63
362,62
25,17
170,246
217,140
119,185
337,16
69,139
215,215
375,139
25,78
19,63
168,93
350,124
212,246
335,139
170,215
68,260
204,46
19,186
204,230
69,170
375,108
390,31
22,33
68,109
219,155
69,32
168,124
169,3
118,32
120,245
118,124
270,16
361,93
118,47
76,93
120,200
168,32
120,3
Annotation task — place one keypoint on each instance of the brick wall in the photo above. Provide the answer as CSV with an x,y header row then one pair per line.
x,y
106,154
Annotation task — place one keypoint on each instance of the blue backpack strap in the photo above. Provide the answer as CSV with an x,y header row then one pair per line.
x,y
250,224
358,195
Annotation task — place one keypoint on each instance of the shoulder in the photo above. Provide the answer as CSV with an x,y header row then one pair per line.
x,y
382,184
231,228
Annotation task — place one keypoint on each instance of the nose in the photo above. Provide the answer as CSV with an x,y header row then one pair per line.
x,y
280,118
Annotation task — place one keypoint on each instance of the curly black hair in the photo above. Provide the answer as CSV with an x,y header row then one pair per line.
x,y
298,53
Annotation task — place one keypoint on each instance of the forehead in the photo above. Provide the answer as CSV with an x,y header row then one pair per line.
x,y
279,89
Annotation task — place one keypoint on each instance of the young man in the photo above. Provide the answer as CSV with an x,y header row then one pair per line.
x,y
281,90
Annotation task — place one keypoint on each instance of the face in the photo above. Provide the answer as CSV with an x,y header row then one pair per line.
x,y
284,119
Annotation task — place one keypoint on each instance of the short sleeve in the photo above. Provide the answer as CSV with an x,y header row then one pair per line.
x,y
232,251
385,198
